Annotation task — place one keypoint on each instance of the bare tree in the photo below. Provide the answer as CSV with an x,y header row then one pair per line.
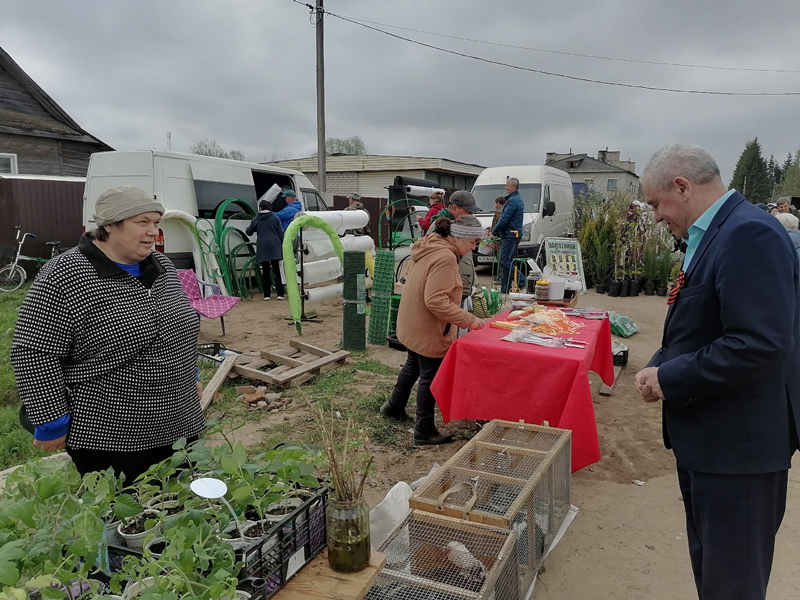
x,y
211,147
351,145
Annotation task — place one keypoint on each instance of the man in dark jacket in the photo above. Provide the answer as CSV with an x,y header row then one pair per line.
x,y
726,374
508,229
269,251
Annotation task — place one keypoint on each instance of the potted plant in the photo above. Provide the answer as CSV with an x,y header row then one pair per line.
x,y
664,271
650,271
602,266
344,466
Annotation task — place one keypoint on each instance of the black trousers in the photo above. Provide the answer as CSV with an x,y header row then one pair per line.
x,y
275,265
422,368
132,464
731,523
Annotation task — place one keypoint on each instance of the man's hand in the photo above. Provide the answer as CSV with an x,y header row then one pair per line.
x,y
648,386
199,390
476,324
51,445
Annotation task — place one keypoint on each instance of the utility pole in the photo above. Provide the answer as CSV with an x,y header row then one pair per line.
x,y
321,157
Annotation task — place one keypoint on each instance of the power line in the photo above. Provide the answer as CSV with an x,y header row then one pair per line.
x,y
553,74
563,53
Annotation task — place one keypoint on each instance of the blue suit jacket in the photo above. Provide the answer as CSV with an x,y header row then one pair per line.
x,y
730,359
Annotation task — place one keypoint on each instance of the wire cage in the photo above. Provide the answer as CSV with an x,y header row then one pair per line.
x,y
432,557
510,475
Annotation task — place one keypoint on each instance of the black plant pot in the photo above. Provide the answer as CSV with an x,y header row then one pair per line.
x,y
614,288
601,288
649,290
636,287
661,291
625,289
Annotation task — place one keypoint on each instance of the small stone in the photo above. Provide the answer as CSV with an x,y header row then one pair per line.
x,y
253,397
287,401
261,404
272,397
245,389
274,406
240,398
261,389
274,410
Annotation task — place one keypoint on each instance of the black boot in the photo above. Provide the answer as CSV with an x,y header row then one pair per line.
x,y
398,414
433,438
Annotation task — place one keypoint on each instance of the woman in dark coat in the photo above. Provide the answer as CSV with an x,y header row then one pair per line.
x,y
269,241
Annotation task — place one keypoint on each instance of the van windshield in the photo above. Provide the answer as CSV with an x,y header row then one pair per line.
x,y
485,194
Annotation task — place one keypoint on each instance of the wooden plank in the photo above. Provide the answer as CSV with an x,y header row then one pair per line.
x,y
309,348
317,581
606,390
280,358
216,381
253,374
312,366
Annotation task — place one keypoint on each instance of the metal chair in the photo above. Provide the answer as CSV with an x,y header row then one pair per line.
x,y
211,307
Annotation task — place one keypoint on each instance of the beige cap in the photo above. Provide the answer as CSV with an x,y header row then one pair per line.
x,y
122,202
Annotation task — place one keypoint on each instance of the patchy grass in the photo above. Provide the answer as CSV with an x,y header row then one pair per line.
x,y
16,444
9,307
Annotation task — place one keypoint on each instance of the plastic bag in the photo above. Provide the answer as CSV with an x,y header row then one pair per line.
x,y
622,325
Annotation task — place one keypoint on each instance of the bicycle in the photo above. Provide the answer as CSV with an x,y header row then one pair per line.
x,y
13,275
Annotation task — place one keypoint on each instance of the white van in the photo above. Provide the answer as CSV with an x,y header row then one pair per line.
x,y
548,198
191,183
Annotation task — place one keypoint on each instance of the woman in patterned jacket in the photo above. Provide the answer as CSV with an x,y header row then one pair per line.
x,y
105,347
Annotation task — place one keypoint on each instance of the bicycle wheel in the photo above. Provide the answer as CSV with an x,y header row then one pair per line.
x,y
11,278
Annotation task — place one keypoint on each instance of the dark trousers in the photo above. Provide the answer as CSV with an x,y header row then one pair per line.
x,y
731,523
508,250
422,368
132,464
275,265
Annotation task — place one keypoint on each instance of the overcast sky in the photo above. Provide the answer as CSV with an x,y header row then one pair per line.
x,y
243,72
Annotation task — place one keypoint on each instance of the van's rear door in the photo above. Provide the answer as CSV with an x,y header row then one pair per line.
x,y
110,169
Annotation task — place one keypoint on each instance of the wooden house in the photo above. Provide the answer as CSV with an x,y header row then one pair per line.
x,y
37,137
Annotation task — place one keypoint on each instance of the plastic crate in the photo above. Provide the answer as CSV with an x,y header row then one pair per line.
x,y
210,352
395,344
430,556
288,546
510,475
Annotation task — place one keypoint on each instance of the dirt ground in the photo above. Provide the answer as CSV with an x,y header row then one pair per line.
x,y
628,541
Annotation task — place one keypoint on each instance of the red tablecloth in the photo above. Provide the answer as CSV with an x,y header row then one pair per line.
x,y
484,377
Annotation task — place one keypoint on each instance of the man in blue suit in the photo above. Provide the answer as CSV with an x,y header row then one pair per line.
x,y
728,370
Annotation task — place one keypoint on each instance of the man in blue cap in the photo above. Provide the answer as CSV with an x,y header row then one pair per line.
x,y
287,213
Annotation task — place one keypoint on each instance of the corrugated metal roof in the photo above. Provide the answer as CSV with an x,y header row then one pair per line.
x,y
586,164
376,162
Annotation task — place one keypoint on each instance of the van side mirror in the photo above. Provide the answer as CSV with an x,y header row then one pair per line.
x,y
549,208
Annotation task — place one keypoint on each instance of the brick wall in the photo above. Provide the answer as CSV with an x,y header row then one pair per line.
x,y
338,184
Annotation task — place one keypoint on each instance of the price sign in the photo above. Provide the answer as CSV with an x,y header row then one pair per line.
x,y
564,257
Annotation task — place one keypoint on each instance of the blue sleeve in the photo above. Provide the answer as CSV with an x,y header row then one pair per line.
x,y
52,430
251,228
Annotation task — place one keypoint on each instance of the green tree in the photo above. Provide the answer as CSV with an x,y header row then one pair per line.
x,y
788,162
750,175
790,183
351,145
211,147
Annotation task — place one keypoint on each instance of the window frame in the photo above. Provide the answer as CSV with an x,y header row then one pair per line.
x,y
14,163
608,184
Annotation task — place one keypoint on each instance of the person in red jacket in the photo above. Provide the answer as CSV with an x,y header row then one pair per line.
x,y
436,204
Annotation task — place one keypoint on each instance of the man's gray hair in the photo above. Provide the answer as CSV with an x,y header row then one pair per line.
x,y
513,181
783,200
681,160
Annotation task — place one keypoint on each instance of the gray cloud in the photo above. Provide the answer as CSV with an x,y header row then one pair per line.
x,y
244,73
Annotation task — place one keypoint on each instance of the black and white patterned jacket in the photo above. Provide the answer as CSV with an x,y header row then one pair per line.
x,y
117,353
